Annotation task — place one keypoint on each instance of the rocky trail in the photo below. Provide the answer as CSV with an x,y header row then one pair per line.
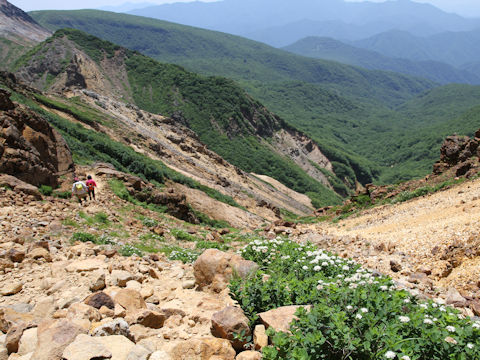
x,y
430,243
142,307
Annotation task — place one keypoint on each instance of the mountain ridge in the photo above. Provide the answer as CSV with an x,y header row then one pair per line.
x,y
331,49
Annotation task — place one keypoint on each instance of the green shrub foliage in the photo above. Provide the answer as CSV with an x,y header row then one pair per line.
x,y
355,313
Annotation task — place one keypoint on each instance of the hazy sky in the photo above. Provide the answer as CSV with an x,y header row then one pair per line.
x,y
463,7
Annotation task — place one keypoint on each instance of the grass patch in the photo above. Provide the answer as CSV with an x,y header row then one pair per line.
x,y
183,235
45,190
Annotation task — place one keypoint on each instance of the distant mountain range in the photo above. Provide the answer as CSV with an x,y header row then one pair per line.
x,y
456,48
331,49
281,22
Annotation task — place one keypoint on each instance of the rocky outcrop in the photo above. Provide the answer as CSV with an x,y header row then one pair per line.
x,y
30,149
460,153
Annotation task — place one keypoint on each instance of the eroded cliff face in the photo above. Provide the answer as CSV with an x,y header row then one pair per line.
x,y
18,26
30,149
304,152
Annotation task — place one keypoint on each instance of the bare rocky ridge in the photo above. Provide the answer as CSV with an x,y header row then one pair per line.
x,y
18,26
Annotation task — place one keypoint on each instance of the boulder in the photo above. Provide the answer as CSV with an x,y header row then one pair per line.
x,y
98,282
121,277
118,345
13,336
18,185
100,299
395,266
11,288
229,322
16,256
111,327
53,337
9,317
147,318
279,319
40,253
130,300
214,269
5,102
453,297
139,353
83,311
85,347
33,151
203,349
28,342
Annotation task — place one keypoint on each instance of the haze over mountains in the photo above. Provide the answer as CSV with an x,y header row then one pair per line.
x,y
433,39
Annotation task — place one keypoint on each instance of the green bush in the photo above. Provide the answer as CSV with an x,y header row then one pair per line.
x,y
62,194
355,314
202,244
83,237
183,235
45,190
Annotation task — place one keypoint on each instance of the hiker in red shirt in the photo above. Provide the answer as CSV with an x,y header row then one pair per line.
x,y
91,185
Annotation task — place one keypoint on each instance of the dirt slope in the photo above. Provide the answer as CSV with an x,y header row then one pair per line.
x,y
436,235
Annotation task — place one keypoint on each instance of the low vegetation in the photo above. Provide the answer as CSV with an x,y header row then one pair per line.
x,y
355,314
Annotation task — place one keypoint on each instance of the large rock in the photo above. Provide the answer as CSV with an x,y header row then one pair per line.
x,y
40,253
203,349
32,150
10,317
11,288
83,311
28,342
53,337
130,299
18,185
14,335
229,322
214,269
279,319
86,348
100,299
147,318
121,277
112,327
118,345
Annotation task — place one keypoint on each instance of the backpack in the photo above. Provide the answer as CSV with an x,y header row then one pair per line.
x,y
90,186
79,186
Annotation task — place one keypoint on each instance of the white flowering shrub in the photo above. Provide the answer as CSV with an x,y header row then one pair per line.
x,y
355,315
